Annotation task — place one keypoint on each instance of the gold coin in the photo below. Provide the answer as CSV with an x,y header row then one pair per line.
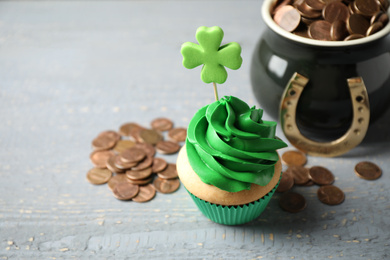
x,y
122,145
297,158
150,136
321,175
161,124
330,194
146,193
98,176
292,202
368,170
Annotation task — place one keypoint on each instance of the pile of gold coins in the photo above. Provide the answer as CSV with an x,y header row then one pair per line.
x,y
331,20
126,160
327,193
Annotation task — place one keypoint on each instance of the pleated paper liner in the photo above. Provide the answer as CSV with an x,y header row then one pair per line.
x,y
233,215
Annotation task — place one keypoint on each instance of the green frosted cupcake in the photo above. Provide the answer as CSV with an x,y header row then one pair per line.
x,y
229,164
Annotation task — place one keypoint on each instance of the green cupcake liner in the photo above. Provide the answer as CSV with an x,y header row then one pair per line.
x,y
233,215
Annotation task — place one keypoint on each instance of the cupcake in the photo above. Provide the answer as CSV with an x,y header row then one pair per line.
x,y
229,164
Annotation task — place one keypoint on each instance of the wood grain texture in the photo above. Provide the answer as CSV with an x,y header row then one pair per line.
x,y
71,69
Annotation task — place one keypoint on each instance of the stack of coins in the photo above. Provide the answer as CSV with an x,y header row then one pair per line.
x,y
297,174
126,160
331,20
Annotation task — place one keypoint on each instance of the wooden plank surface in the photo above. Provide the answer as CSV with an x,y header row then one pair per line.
x,y
71,69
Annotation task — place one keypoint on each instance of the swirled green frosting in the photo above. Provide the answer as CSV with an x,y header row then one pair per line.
x,y
230,146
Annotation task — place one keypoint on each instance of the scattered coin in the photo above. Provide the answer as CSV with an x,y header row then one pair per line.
x,y
300,174
161,124
128,165
98,176
132,155
146,193
116,179
118,163
159,165
104,142
145,163
292,202
294,157
125,191
178,134
330,194
122,145
286,182
298,17
167,147
130,129
141,181
100,158
166,186
148,148
139,175
169,173
112,166
368,170
150,136
321,175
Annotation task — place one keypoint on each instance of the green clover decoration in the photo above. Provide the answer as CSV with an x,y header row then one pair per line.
x,y
213,56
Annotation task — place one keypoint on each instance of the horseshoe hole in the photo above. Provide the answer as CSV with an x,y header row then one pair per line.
x,y
289,127
360,109
289,103
360,99
288,116
292,92
356,132
360,120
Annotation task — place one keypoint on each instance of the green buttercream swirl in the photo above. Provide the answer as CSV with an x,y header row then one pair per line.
x,y
230,146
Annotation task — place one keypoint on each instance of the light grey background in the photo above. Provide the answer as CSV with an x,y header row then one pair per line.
x,y
71,69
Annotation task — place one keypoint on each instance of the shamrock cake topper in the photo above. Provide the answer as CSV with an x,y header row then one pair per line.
x,y
213,56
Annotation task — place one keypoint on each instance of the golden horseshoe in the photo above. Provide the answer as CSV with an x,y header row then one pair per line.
x,y
353,137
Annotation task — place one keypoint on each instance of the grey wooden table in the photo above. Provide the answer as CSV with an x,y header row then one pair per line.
x,y
71,69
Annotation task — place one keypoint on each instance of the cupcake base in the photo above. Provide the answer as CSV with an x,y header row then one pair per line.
x,y
233,215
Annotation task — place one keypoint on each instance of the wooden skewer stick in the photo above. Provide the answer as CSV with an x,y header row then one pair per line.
x,y
215,91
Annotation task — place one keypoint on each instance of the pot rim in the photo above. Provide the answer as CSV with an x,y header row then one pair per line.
x,y
266,14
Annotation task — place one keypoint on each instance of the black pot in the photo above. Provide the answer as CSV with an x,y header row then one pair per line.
x,y
324,111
